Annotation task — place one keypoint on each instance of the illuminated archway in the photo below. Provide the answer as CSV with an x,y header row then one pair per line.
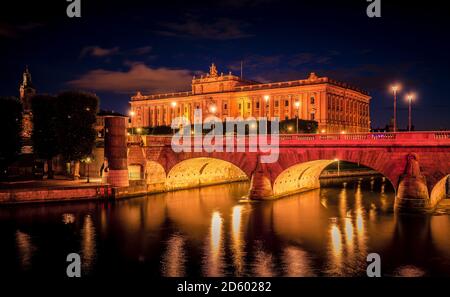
x,y
439,191
302,177
203,171
154,173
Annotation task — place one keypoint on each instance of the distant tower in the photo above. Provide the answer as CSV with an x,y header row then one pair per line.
x,y
27,91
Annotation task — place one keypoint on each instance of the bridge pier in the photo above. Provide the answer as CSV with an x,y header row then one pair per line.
x,y
412,193
260,184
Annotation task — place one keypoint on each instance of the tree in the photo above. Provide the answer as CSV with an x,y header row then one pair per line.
x,y
44,135
10,131
76,118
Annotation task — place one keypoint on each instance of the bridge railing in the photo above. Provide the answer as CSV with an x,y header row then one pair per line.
x,y
439,137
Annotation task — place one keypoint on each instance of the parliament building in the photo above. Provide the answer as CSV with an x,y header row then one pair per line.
x,y
336,106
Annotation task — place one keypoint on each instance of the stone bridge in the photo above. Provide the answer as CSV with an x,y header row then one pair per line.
x,y
416,163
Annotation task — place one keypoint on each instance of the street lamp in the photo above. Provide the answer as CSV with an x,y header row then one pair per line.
x,y
297,105
139,130
339,168
410,97
88,161
395,89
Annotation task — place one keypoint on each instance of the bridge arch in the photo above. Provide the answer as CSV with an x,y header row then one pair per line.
x,y
202,171
439,191
303,176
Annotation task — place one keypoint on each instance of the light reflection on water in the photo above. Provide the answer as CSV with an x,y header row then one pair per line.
x,y
208,231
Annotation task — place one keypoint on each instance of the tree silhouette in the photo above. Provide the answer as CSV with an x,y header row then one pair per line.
x,y
10,131
76,118
44,135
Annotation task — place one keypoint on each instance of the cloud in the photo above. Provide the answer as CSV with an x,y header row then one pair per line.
x,y
100,52
14,31
138,77
97,51
220,29
141,50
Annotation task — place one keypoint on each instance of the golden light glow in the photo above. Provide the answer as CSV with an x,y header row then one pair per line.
x,y
173,104
25,249
237,242
323,131
290,128
88,246
174,259
297,104
214,265
395,88
132,113
139,130
266,98
68,218
336,240
411,96
213,109
343,132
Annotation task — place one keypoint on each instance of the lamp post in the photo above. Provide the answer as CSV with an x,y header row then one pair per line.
x,y
297,105
88,161
410,98
339,168
395,89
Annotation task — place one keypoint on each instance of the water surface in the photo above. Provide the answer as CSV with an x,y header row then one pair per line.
x,y
211,232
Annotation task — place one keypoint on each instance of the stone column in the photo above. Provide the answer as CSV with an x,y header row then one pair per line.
x,y
412,193
116,151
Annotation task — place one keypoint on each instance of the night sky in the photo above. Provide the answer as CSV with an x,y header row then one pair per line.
x,y
118,47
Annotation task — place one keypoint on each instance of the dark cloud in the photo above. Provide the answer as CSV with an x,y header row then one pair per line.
x,y
138,77
14,31
97,51
219,29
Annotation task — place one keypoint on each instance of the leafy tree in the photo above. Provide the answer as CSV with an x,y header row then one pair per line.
x,y
76,118
44,135
10,131
304,126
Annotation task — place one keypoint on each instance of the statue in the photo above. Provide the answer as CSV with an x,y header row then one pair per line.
x,y
213,70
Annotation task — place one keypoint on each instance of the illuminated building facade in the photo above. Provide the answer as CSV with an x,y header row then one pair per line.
x,y
336,106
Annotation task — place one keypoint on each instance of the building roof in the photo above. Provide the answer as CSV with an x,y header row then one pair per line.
x,y
246,85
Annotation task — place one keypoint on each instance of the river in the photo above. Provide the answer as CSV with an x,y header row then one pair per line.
x,y
212,232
